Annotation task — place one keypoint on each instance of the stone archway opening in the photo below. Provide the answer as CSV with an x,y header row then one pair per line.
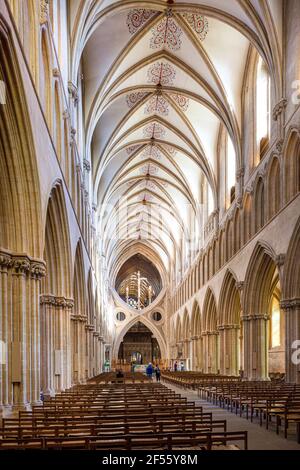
x,y
139,347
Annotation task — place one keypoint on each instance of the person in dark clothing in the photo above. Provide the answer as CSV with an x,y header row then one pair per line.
x,y
120,374
149,370
175,367
157,373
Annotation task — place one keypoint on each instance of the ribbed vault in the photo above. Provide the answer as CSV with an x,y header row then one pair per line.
x,y
163,81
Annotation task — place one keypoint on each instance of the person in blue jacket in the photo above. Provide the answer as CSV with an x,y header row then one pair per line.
x,y
149,370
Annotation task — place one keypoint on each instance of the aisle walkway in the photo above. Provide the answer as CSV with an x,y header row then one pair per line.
x,y
258,437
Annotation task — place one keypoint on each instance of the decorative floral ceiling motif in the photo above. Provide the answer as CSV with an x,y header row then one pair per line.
x,y
148,184
154,130
198,23
137,18
157,104
151,152
166,33
182,101
133,98
145,197
170,149
149,169
132,149
161,73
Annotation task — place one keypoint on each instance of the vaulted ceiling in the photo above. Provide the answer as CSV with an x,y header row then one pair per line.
x,y
161,80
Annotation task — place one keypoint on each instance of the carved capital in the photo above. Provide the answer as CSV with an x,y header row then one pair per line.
x,y
240,173
249,189
66,114
47,300
56,72
86,165
21,265
69,303
38,269
73,92
240,285
279,145
279,260
6,260
290,304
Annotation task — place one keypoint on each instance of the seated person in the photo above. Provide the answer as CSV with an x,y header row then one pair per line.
x,y
120,374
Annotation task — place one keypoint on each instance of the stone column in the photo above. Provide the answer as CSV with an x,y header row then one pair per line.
x,y
101,341
97,353
213,352
229,350
56,343
81,342
194,359
222,342
74,349
206,360
20,277
256,346
291,308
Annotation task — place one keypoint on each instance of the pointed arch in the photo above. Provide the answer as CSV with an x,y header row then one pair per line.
x,y
79,282
274,188
259,278
291,279
209,311
292,165
153,328
57,118
259,205
210,340
196,324
45,77
20,206
229,301
186,325
57,245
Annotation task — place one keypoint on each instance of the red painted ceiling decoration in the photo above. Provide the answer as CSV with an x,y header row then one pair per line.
x,y
157,104
181,101
198,23
166,34
161,73
154,130
148,184
133,98
137,18
145,197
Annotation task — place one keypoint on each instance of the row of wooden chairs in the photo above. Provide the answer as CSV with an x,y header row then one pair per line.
x,y
193,380
264,400
128,377
117,416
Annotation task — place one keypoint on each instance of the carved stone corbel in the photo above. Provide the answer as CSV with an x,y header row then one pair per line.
x,y
279,108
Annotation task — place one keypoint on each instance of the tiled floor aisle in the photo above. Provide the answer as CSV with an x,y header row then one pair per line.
x,y
258,437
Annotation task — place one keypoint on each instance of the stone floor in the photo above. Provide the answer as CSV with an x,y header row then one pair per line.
x,y
259,438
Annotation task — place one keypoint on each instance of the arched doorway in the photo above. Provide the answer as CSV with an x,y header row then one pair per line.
x,y
139,346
